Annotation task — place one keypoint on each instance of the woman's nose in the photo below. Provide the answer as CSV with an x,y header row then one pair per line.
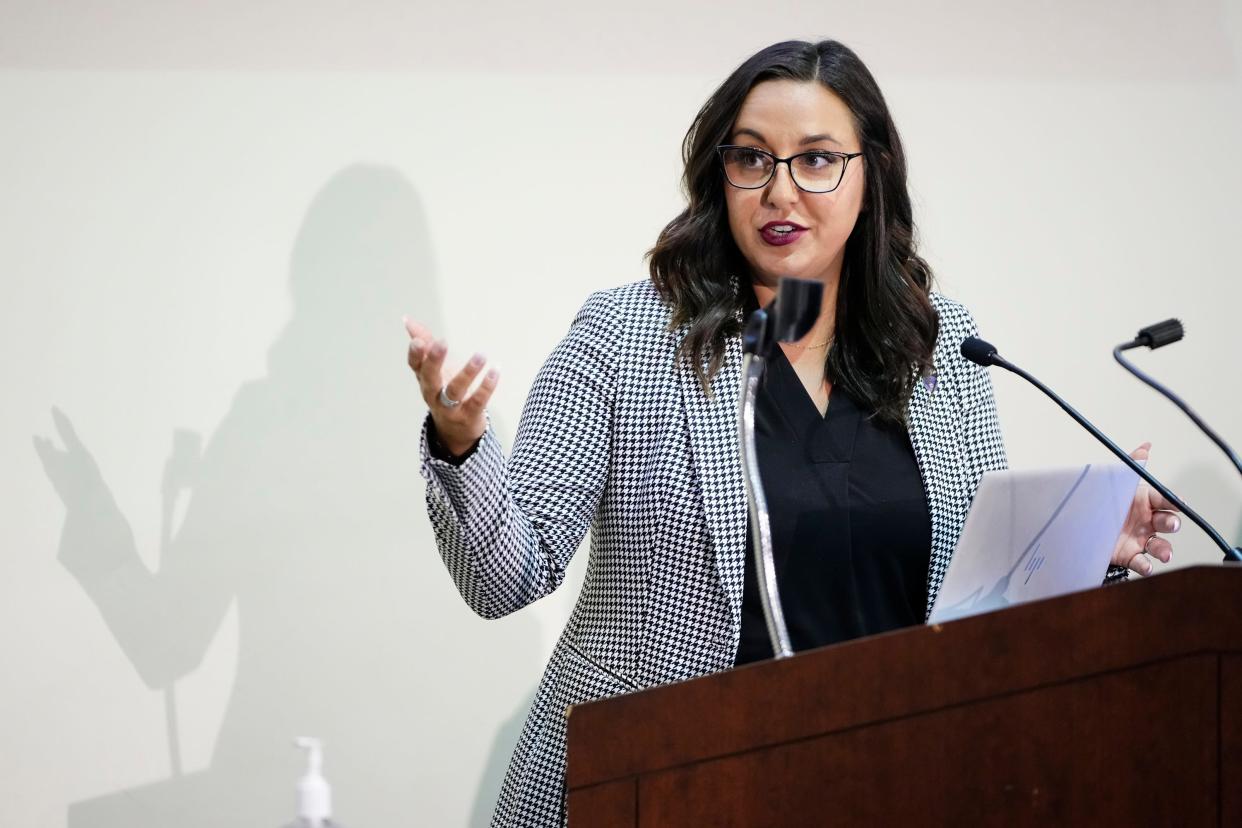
x,y
781,190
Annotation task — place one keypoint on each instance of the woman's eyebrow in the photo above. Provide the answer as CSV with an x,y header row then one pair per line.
x,y
810,139
745,131
819,136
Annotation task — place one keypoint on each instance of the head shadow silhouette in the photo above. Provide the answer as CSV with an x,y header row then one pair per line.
x,y
303,508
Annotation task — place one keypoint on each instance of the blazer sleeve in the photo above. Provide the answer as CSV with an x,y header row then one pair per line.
x,y
981,426
506,529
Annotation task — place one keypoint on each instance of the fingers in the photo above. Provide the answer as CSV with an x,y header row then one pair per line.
x,y
65,429
44,448
425,356
1139,553
1157,501
421,344
1140,563
1160,549
1154,514
458,388
1165,520
476,402
426,360
417,330
417,354
459,384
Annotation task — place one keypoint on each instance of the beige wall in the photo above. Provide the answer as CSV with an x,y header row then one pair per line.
x,y
212,222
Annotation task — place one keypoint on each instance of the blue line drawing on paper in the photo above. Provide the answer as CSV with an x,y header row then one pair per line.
x,y
1034,566
979,601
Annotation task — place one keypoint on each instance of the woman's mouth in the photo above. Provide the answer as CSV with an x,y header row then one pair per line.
x,y
781,232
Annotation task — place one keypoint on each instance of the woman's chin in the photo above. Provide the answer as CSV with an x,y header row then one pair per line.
x,y
788,265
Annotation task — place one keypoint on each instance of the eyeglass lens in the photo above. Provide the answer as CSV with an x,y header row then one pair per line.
x,y
818,172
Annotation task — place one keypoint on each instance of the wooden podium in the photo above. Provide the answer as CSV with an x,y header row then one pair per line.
x,y
1117,706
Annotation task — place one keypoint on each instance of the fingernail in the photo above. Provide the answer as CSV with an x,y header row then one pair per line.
x,y
416,343
1148,569
439,349
1177,524
492,374
476,360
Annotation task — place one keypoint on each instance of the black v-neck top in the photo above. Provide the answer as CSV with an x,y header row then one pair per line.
x,y
851,532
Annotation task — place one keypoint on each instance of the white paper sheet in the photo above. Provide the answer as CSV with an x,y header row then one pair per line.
x,y
1035,534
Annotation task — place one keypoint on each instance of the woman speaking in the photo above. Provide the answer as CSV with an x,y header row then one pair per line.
x,y
871,431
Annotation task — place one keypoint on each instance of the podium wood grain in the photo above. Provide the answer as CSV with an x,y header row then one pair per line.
x,y
1116,704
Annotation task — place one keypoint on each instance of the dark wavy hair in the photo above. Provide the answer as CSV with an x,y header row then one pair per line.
x,y
885,327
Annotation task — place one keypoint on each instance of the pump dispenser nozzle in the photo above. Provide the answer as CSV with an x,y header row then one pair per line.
x,y
314,795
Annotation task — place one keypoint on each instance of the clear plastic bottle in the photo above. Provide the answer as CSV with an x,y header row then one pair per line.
x,y
314,794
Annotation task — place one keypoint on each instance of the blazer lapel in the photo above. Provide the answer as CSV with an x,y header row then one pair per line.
x,y
712,422
937,449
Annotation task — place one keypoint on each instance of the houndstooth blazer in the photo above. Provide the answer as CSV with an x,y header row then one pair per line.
x,y
618,436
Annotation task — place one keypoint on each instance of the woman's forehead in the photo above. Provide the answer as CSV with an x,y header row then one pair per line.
x,y
794,112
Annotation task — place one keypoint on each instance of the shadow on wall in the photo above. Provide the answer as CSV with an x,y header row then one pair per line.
x,y
305,509
498,762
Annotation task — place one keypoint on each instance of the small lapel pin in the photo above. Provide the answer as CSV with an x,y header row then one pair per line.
x,y
929,382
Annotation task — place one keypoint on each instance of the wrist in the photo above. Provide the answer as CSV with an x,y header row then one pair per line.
x,y
449,449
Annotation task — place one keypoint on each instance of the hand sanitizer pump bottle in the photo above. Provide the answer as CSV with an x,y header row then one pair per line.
x,y
314,795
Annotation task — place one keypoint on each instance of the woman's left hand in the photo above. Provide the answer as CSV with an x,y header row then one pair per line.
x,y
1149,514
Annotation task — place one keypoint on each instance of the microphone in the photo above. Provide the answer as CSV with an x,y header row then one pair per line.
x,y
1161,334
787,319
1157,336
984,353
979,351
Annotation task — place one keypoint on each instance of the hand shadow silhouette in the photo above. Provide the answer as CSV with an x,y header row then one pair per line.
x,y
304,508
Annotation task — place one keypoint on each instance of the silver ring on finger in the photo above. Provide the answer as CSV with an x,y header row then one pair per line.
x,y
444,398
1147,543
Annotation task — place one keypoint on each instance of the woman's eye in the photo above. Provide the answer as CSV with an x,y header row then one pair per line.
x,y
750,158
818,161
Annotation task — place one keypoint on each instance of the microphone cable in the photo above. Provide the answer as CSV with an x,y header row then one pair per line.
x,y
984,353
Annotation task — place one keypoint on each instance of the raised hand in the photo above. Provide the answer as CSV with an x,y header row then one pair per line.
x,y
1149,514
72,470
459,419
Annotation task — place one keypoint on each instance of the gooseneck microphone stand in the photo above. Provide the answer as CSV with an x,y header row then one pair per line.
x,y
788,319
984,353
1157,336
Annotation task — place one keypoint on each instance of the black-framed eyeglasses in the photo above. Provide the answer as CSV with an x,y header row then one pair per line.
x,y
817,171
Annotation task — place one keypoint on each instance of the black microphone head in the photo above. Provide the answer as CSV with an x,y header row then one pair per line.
x,y
798,302
1161,334
979,351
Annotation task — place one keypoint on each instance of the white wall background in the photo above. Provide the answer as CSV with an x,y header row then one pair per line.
x,y
213,218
